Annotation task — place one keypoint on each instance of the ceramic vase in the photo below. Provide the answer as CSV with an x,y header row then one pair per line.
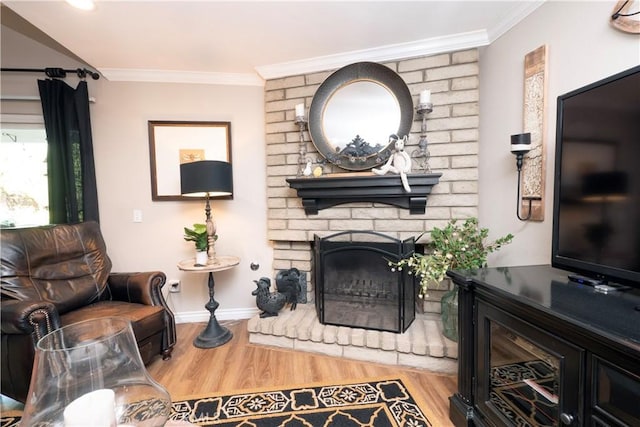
x,y
201,258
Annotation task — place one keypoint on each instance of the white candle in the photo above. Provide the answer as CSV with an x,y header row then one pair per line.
x,y
300,110
425,97
94,409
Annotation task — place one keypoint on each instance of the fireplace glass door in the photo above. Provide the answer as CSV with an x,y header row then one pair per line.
x,y
529,377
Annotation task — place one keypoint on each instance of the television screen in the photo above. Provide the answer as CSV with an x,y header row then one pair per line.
x,y
596,228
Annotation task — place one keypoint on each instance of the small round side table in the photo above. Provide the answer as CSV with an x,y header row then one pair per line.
x,y
214,334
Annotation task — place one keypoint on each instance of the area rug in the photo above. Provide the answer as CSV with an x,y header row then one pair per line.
x,y
379,403
526,393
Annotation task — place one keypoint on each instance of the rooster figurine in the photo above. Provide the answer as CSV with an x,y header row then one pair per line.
x,y
288,283
270,303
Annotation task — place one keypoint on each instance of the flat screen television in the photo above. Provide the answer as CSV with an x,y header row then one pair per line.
x,y
596,209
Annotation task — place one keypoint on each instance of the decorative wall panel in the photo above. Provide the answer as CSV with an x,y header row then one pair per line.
x,y
533,170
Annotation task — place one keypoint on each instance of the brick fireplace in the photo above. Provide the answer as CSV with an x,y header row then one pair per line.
x,y
453,145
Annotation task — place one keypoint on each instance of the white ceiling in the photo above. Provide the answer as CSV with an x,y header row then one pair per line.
x,y
244,42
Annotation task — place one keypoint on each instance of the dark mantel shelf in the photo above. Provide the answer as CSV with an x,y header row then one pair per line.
x,y
327,191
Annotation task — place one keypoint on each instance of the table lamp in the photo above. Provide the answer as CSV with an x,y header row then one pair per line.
x,y
207,178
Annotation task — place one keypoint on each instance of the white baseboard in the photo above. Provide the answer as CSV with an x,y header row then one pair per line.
x,y
222,314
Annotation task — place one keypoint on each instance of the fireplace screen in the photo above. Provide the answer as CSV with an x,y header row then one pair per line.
x,y
354,285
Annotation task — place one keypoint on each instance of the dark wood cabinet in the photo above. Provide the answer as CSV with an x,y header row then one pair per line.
x,y
536,349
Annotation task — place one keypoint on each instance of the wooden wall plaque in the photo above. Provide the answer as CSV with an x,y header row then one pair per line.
x,y
533,170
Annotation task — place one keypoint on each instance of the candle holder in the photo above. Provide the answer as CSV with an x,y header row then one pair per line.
x,y
91,373
422,152
521,145
302,150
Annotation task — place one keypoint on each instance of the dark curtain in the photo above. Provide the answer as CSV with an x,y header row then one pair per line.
x,y
73,195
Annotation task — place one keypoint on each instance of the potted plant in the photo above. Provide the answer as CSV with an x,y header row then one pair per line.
x,y
456,246
198,235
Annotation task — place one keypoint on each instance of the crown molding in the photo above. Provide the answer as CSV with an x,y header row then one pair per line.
x,y
174,76
393,52
400,51
524,9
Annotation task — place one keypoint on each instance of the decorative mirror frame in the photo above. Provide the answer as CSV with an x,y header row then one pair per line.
x,y
360,71
172,143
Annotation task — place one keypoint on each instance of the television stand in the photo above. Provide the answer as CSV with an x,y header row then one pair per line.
x,y
536,347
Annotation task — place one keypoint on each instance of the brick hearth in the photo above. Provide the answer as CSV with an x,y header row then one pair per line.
x,y
421,346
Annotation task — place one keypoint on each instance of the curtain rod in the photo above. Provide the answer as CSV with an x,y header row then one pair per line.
x,y
55,72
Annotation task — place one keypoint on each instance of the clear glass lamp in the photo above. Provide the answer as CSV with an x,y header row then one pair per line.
x,y
91,374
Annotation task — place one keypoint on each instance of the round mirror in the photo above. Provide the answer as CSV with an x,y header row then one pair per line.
x,y
355,111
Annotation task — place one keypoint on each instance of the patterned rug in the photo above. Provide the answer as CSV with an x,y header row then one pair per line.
x,y
381,403
526,393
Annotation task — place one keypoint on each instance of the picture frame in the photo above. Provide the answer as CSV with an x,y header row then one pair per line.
x,y
172,143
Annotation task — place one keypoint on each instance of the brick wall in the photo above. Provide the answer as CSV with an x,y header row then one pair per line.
x,y
452,132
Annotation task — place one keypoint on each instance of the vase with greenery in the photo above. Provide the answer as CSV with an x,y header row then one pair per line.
x,y
198,235
456,246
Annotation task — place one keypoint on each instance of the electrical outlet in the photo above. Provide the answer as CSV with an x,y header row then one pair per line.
x,y
174,285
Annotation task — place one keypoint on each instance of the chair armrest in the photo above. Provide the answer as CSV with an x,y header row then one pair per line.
x,y
142,288
145,288
36,318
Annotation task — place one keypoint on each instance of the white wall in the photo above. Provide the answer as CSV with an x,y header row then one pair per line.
x,y
121,144
582,48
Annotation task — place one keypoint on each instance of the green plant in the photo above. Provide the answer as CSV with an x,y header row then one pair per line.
x,y
453,247
198,235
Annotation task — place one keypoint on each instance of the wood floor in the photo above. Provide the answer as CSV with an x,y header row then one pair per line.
x,y
240,365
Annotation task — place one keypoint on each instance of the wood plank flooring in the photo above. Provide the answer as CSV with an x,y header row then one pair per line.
x,y
240,365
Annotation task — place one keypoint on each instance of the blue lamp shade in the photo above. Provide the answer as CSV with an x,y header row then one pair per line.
x,y
206,178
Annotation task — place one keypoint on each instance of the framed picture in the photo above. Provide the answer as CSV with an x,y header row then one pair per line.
x,y
173,143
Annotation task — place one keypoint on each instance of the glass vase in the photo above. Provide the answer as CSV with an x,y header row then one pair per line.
x,y
449,307
90,373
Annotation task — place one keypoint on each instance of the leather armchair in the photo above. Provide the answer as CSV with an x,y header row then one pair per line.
x,y
53,276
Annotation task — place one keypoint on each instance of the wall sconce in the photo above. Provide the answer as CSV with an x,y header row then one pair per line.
x,y
424,107
301,121
521,145
207,178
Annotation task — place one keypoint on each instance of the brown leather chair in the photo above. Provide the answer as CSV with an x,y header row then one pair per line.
x,y
56,275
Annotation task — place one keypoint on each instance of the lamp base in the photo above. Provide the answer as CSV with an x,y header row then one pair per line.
x,y
214,335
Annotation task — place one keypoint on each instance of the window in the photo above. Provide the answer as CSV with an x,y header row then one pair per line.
x,y
24,198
